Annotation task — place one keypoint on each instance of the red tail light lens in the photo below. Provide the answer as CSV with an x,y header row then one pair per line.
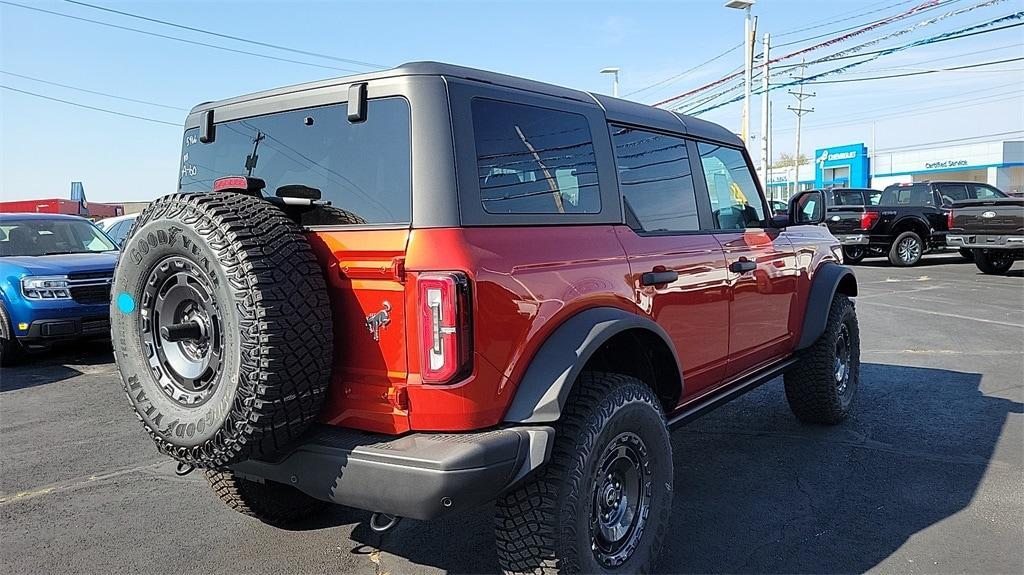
x,y
868,220
949,220
445,327
239,183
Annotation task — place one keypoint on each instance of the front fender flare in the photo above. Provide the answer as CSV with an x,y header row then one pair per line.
x,y
819,301
545,387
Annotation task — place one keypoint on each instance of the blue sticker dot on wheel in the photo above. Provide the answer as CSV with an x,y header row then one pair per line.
x,y
125,302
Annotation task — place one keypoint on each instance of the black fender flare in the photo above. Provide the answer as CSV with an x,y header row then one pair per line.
x,y
913,223
824,286
545,387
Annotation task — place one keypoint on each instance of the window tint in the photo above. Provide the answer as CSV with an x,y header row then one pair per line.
x,y
655,181
362,169
907,195
533,160
735,202
808,207
119,231
952,192
848,197
985,192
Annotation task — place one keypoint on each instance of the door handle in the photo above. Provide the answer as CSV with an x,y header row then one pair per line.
x,y
742,266
656,278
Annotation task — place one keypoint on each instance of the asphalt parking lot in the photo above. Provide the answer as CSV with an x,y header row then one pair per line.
x,y
925,478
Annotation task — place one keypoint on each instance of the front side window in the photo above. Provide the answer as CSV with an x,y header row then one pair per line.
x,y
41,237
363,169
735,202
534,160
655,180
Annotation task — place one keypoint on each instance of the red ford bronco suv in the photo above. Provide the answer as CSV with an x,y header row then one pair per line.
x,y
419,290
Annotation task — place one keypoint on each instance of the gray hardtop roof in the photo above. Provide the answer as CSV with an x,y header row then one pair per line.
x,y
616,110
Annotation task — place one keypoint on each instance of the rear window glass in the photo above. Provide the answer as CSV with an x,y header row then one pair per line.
x,y
363,169
534,160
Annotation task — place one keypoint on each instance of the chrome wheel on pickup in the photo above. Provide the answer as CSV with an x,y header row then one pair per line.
x,y
906,250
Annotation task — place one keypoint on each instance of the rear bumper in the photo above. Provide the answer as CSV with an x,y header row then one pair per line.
x,y
979,241
421,475
853,239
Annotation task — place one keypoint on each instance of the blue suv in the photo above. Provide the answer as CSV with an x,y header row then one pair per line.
x,y
55,274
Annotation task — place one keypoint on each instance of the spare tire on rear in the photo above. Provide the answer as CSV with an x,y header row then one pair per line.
x,y
221,326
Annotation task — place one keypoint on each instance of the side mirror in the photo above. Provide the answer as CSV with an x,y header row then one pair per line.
x,y
807,208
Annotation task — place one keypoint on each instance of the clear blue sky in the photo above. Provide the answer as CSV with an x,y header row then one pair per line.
x,y
44,145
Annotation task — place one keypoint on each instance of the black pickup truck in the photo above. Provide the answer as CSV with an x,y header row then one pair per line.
x,y
901,222
992,229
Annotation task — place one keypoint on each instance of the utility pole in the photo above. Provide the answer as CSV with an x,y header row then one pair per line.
x,y
748,72
765,113
799,110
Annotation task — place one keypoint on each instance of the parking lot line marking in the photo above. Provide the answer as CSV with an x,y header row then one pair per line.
x,y
953,315
71,484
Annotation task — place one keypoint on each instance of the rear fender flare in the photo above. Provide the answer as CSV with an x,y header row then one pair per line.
x,y
829,279
545,387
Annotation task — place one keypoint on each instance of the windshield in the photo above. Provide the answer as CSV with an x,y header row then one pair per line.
x,y
51,237
363,169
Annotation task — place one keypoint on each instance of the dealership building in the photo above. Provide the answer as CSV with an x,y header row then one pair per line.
x,y
999,163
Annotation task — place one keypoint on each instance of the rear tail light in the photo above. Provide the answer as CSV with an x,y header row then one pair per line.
x,y
445,327
868,220
949,220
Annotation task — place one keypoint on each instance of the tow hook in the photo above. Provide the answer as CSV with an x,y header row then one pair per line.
x,y
183,469
383,522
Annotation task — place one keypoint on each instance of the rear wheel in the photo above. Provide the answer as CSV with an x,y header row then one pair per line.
x,y
601,504
853,254
822,384
270,502
993,262
906,250
10,350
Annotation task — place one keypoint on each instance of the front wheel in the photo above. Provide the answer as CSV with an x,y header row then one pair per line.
x,y
821,385
993,262
907,250
10,349
967,254
602,503
853,254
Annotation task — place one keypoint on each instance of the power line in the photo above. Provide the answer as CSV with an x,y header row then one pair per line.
x,y
825,22
70,103
177,39
934,5
953,69
684,73
953,141
69,87
228,36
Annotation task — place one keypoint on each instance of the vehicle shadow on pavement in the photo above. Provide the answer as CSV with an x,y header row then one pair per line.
x,y
57,364
758,492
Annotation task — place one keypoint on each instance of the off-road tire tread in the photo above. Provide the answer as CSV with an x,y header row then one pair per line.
x,y
810,384
527,528
285,327
270,502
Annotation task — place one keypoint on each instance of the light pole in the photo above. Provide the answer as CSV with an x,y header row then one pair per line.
x,y
748,60
615,79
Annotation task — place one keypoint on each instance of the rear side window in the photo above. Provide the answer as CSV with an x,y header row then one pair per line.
x,y
363,169
952,192
735,202
655,180
534,160
848,197
914,195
